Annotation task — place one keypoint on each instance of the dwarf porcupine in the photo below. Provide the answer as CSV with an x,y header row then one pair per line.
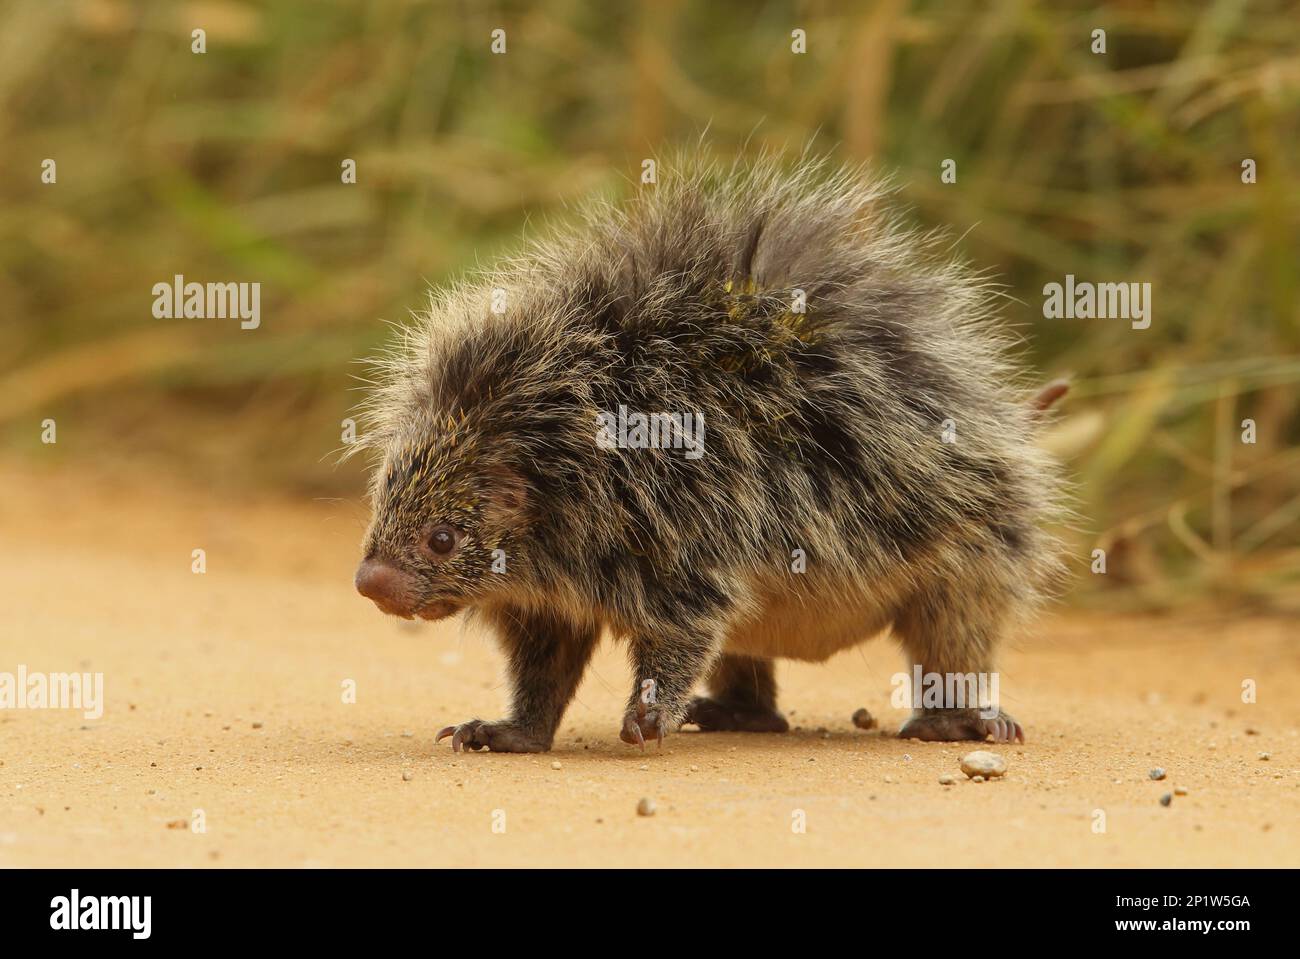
x,y
866,461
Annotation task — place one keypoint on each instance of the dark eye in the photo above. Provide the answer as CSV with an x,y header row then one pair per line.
x,y
442,540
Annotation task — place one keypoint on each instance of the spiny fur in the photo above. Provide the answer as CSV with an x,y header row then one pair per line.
x,y
824,430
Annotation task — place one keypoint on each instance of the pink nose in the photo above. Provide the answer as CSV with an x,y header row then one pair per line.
x,y
391,590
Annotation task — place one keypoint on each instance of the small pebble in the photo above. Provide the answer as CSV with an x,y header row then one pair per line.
x,y
1166,799
983,763
977,779
646,807
1180,791
556,765
1157,774
946,780
257,725
863,719
1265,756
407,775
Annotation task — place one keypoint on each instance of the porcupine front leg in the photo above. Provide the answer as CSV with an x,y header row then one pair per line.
x,y
666,665
546,657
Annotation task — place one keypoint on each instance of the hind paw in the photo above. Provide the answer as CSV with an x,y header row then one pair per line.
x,y
952,725
713,716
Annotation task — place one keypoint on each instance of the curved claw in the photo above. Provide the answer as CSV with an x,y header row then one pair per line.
x,y
1003,729
456,737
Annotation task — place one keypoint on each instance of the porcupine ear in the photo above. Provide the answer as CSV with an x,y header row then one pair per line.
x,y
507,499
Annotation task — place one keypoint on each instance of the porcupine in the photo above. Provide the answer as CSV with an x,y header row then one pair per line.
x,y
867,458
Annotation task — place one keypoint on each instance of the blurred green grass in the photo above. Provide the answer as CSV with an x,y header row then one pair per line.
x,y
225,166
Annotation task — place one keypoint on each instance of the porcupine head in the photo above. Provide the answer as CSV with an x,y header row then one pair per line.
x,y
449,511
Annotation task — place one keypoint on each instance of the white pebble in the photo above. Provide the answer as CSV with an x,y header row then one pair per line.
x,y
983,763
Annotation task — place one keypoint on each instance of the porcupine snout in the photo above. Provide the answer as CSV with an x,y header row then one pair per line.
x,y
392,590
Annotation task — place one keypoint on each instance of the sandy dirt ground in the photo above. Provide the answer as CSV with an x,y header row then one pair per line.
x,y
224,698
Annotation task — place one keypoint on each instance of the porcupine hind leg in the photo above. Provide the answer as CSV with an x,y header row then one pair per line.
x,y
952,632
546,657
670,654
743,698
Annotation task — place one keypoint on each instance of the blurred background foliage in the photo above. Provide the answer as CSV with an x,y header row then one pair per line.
x,y
225,166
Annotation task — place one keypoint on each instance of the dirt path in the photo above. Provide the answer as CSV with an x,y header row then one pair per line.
x,y
224,693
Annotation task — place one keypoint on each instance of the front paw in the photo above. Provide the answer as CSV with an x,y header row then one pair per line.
x,y
641,723
498,737
952,725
